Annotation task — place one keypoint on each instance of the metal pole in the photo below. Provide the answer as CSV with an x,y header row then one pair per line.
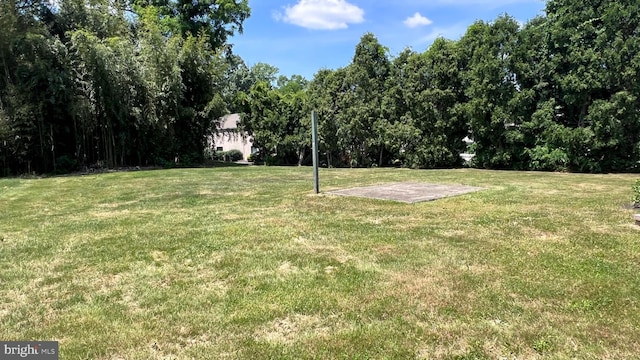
x,y
314,140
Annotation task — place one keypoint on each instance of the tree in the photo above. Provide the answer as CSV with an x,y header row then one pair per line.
x,y
34,89
278,122
291,85
365,83
216,20
326,91
159,61
433,93
594,47
491,85
201,103
263,121
297,138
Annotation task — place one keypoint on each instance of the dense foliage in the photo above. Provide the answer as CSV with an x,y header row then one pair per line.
x,y
141,82
560,93
104,83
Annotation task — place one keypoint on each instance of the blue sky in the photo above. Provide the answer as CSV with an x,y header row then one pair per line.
x,y
304,36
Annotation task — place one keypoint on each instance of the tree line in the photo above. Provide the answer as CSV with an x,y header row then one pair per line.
x,y
141,83
558,93
112,83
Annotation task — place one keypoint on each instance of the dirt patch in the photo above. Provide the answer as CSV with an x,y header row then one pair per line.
x,y
408,192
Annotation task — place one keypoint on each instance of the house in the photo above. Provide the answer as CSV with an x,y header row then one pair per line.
x,y
228,137
466,156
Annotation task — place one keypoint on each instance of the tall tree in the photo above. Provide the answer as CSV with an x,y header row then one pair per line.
x,y
434,92
297,137
366,82
202,102
398,130
326,91
34,92
216,19
594,47
490,85
263,121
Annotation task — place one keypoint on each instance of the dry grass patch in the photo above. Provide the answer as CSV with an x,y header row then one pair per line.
x,y
296,328
249,263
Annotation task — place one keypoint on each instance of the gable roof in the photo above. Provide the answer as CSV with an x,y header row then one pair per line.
x,y
229,122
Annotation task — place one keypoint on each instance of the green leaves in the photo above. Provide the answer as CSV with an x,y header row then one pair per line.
x,y
490,84
144,82
215,19
95,83
277,119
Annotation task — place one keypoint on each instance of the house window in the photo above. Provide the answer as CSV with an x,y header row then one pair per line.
x,y
219,148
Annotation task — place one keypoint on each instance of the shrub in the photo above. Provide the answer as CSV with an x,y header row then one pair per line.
x,y
210,153
257,158
544,158
234,155
219,155
636,194
164,163
66,164
191,159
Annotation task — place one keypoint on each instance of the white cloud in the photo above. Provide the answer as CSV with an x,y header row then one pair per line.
x,y
322,14
453,32
417,20
492,3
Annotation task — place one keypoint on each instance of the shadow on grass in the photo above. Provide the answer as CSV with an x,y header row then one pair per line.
x,y
96,171
217,164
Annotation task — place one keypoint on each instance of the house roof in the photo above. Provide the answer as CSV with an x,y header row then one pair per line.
x,y
229,122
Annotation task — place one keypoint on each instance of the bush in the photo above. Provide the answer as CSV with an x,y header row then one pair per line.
x,y
234,155
210,153
636,194
219,156
257,158
231,155
164,163
546,159
191,159
66,164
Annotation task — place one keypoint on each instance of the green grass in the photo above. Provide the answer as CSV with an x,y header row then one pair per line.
x,y
249,263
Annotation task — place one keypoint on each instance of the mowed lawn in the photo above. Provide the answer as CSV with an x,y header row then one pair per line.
x,y
248,263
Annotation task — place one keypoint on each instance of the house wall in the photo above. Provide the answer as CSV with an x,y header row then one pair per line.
x,y
232,141
228,138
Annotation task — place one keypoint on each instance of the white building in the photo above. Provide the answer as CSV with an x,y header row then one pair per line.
x,y
228,137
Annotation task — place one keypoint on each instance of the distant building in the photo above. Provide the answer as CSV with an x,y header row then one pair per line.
x,y
466,156
228,137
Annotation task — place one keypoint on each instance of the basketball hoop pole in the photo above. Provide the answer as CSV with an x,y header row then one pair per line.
x,y
314,140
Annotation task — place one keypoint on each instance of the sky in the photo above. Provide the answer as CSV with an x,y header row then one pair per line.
x,y
303,36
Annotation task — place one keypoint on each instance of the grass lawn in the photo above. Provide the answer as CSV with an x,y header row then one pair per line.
x,y
247,262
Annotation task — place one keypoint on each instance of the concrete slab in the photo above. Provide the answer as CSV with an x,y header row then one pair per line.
x,y
407,192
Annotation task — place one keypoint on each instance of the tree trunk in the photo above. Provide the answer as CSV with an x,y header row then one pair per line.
x,y
53,147
7,73
41,132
